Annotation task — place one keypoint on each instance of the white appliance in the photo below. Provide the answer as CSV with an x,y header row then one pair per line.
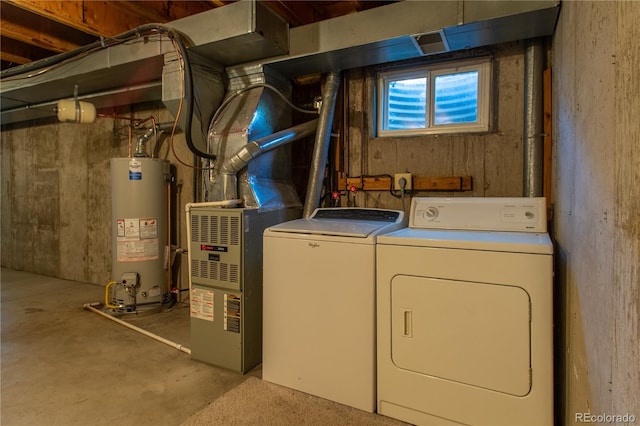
x,y
465,314
319,303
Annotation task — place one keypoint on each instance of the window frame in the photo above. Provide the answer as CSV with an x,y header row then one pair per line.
x,y
484,66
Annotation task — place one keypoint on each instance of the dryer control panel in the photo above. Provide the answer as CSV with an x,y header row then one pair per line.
x,y
479,213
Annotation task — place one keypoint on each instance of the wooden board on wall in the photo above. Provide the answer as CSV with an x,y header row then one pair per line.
x,y
419,183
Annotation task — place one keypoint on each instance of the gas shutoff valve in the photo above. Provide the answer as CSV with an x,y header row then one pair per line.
x,y
129,279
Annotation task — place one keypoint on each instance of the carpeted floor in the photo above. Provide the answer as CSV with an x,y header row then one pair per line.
x,y
256,402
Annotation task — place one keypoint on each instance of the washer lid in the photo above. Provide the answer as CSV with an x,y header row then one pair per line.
x,y
347,222
514,242
358,229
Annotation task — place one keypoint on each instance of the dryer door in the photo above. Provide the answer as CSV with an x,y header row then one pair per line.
x,y
467,332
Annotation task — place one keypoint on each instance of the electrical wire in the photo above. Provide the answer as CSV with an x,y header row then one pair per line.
x,y
239,92
47,64
223,106
378,176
36,68
175,123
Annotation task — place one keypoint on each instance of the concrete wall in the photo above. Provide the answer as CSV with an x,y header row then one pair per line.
x,y
494,160
596,104
56,199
56,195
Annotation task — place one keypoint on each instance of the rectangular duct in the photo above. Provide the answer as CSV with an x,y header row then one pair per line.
x,y
236,33
209,88
247,31
410,29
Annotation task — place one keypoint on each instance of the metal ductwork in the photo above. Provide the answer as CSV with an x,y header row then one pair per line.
x,y
252,116
321,147
410,29
533,134
246,31
208,78
132,73
254,149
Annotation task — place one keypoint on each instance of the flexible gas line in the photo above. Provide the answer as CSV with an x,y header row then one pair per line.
x,y
91,307
106,295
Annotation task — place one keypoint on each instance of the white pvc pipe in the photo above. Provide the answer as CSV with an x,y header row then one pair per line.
x,y
90,306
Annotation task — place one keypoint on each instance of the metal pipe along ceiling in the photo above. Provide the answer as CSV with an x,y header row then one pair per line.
x,y
533,125
321,147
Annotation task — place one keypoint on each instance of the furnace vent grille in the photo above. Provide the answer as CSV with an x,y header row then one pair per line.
x,y
216,247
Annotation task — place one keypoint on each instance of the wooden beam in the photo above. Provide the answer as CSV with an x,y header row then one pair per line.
x,y
219,3
295,13
451,183
23,26
19,53
165,11
104,18
419,183
13,58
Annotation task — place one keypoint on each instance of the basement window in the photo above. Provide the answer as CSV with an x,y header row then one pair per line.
x,y
444,98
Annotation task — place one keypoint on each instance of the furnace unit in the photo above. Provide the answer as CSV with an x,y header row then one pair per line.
x,y
225,258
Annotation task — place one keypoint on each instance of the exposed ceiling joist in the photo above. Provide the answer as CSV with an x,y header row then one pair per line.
x,y
20,25
15,52
67,13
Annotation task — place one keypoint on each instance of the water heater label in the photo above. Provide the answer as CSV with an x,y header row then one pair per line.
x,y
120,227
149,228
201,303
137,239
135,169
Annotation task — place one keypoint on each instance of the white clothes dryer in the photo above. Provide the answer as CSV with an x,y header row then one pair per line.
x,y
319,303
464,314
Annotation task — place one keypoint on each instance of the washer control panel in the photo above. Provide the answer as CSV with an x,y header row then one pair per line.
x,y
479,213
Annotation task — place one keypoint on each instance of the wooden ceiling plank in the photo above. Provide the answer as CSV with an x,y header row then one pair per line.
x,y
14,59
181,9
295,13
25,27
100,18
164,10
35,37
64,12
152,11
219,3
18,52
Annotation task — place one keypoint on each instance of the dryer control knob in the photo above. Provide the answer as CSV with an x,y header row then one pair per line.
x,y
431,213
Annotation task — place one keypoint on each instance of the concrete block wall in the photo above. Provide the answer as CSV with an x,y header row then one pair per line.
x,y
494,160
56,194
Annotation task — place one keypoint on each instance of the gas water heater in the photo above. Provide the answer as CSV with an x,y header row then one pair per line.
x,y
139,211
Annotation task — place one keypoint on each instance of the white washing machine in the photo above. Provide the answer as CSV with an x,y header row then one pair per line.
x,y
319,303
465,314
